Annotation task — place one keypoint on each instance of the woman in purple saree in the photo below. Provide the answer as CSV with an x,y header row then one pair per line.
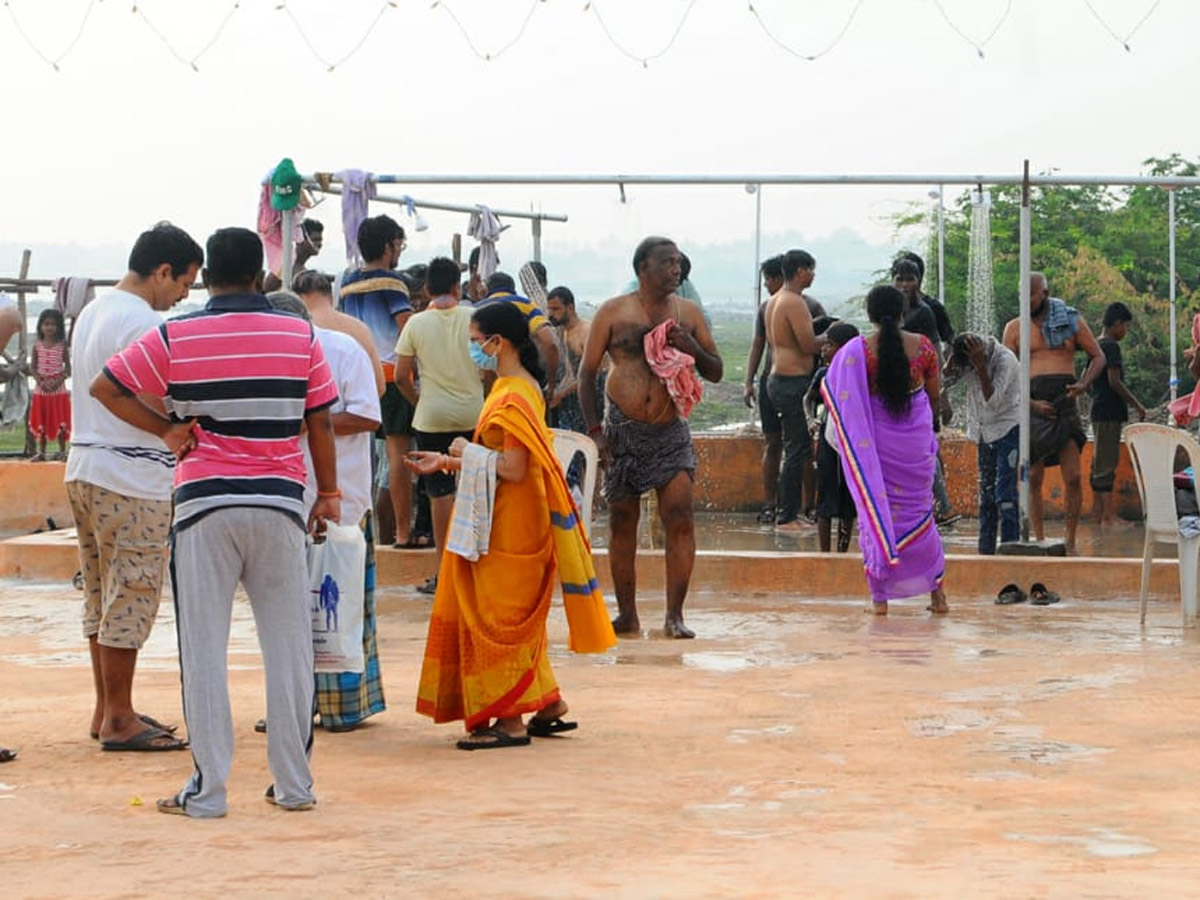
x,y
881,391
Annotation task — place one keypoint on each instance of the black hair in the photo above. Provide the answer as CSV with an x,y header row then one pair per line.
x,y
645,248
903,266
915,260
506,320
288,302
795,260
441,276
473,261
773,267
821,323
1116,312
501,281
235,258
165,243
885,307
419,272
563,293
841,333
685,266
539,271
310,281
958,349
55,316
313,226
375,233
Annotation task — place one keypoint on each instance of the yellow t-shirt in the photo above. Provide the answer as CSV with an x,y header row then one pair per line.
x,y
451,390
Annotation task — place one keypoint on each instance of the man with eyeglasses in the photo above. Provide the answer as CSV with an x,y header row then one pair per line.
x,y
377,296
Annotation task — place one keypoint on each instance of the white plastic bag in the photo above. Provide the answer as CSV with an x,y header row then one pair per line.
x,y
336,568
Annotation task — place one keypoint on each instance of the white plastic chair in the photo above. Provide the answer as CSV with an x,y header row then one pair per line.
x,y
1152,449
566,445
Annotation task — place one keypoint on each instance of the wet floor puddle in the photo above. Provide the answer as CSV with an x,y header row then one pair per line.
x,y
1102,843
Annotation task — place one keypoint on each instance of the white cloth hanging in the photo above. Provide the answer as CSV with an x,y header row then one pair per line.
x,y
485,228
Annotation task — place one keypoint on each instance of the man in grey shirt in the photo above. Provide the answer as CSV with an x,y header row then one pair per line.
x,y
989,371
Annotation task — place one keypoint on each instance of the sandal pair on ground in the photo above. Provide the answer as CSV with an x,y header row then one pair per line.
x,y
491,738
1039,595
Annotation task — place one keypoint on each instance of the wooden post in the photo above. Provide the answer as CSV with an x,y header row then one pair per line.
x,y
30,444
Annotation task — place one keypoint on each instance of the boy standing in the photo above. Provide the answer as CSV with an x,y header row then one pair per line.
x,y
1111,400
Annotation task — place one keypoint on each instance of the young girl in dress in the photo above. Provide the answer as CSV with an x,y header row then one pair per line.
x,y
50,365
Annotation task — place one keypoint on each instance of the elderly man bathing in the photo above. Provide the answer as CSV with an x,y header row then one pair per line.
x,y
646,443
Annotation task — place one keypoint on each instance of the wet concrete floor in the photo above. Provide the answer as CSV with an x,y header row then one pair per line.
x,y
796,748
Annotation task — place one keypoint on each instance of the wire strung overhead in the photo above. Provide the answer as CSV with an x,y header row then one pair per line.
x,y
485,55
810,57
644,60
991,34
592,6
1123,41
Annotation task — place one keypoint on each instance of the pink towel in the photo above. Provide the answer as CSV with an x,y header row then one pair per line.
x,y
674,367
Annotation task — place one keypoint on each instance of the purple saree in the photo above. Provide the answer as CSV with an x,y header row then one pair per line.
x,y
889,464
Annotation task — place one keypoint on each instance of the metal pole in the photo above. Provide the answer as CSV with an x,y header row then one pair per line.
x,y
1171,267
536,225
756,189
443,207
289,248
1026,336
942,245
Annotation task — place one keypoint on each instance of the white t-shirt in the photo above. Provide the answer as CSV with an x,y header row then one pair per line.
x,y
354,375
105,450
451,390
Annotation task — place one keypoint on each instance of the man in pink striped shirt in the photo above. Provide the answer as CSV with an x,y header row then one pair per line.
x,y
239,382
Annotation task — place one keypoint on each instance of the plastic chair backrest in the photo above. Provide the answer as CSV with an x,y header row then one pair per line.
x,y
1152,449
566,445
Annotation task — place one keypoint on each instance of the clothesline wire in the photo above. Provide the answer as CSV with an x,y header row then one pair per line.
x,y
1123,41
485,55
808,57
991,34
644,60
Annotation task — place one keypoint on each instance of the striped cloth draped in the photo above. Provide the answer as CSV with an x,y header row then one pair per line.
x,y
485,656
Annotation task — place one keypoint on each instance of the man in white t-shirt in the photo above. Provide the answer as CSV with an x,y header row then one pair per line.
x,y
119,481
449,393
345,699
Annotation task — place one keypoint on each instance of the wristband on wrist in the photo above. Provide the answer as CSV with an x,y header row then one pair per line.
x,y
332,495
596,429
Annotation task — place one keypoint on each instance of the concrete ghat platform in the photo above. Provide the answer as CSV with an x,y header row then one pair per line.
x,y
52,556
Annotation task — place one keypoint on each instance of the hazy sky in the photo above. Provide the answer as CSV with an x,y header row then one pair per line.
x,y
125,134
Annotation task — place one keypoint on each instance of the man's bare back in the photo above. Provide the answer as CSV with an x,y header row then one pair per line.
x,y
324,316
789,331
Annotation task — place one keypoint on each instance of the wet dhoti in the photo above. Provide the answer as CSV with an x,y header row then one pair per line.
x,y
1047,436
645,457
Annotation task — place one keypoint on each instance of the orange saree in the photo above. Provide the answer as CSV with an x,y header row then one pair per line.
x,y
485,657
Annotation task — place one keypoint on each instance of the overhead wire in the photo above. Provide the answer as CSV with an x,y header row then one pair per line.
x,y
483,54
594,7
1123,41
810,57
330,66
53,63
991,34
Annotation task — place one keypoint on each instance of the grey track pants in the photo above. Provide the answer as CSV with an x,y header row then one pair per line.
x,y
264,550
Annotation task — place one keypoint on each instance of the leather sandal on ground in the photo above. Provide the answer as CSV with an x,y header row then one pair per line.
x,y
1040,595
1009,594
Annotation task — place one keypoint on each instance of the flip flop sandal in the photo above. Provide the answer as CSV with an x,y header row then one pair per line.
x,y
7,755
1010,593
547,727
498,738
1039,595
146,720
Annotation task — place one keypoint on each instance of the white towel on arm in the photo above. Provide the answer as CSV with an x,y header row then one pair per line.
x,y
471,524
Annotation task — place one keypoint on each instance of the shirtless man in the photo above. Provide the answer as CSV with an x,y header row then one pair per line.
x,y
316,290
1055,433
573,331
794,347
643,442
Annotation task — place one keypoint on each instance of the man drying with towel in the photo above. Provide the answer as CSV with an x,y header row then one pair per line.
x,y
645,441
1055,432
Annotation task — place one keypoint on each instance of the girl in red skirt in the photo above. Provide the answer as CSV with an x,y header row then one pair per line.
x,y
50,365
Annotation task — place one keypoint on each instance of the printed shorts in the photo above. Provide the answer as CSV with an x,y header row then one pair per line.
x,y
122,554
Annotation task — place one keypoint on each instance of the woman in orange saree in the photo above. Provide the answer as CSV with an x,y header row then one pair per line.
x,y
485,656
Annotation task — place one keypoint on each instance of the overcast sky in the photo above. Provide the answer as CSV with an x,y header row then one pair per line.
x,y
125,134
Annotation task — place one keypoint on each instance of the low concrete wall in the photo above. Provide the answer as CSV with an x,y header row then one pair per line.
x,y
729,477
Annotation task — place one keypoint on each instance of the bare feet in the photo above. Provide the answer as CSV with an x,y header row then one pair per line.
x,y
550,712
878,608
675,628
796,526
627,624
938,605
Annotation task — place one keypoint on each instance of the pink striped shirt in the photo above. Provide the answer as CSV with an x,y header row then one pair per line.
x,y
248,374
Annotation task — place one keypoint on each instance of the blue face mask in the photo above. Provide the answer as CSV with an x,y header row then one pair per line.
x,y
482,360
